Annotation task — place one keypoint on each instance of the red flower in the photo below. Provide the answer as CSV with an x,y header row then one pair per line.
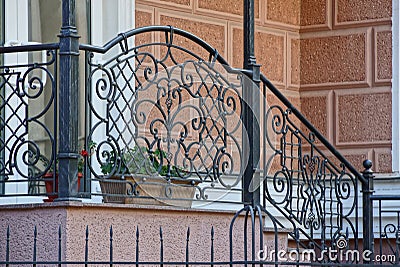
x,y
84,153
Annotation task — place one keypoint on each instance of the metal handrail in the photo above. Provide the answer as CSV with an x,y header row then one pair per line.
x,y
385,197
311,127
166,29
28,48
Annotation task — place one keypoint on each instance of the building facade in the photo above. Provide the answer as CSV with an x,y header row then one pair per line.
x,y
334,61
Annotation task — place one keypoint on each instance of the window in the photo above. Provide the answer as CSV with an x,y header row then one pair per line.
x,y
39,21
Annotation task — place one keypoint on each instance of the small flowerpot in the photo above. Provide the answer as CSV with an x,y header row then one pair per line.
x,y
52,194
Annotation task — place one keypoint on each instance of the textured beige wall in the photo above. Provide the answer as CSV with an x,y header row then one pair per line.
x,y
73,218
331,57
345,66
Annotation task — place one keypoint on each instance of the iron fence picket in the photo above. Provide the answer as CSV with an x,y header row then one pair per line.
x,y
59,245
111,246
137,246
187,246
8,246
86,245
389,232
161,247
34,246
212,247
37,258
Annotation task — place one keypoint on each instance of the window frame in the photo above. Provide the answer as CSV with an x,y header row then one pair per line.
x,y
124,11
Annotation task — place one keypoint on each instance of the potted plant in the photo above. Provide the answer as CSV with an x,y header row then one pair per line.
x,y
50,176
138,176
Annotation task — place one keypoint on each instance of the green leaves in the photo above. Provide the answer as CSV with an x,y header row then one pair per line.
x,y
139,160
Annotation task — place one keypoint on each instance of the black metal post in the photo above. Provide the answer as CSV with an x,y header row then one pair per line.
x,y
367,191
68,114
251,97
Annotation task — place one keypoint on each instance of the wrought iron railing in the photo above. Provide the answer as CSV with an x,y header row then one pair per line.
x,y
388,242
163,116
307,183
28,120
160,118
164,110
219,246
245,243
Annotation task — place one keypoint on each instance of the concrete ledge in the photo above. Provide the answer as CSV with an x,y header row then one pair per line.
x,y
79,204
73,218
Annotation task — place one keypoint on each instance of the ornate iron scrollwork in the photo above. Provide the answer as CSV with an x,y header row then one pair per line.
x,y
174,102
27,101
315,195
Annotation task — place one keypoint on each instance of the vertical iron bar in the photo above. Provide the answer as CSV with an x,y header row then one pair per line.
x,y
380,230
251,110
253,237
111,246
34,246
231,234
161,248
231,243
367,191
68,113
55,118
397,254
87,246
212,246
265,141
87,124
137,246
357,225
248,31
59,246
8,246
261,225
245,237
187,246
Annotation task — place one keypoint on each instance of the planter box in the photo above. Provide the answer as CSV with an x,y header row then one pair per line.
x,y
151,191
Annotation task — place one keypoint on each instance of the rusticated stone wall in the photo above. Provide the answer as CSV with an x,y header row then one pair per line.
x,y
332,58
345,76
220,24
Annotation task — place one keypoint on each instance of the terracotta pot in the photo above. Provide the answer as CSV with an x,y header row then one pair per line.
x,y
49,186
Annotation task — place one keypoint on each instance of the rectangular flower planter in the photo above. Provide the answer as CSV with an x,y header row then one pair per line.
x,y
149,191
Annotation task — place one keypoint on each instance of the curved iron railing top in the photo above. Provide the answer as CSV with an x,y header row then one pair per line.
x,y
122,37
168,110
